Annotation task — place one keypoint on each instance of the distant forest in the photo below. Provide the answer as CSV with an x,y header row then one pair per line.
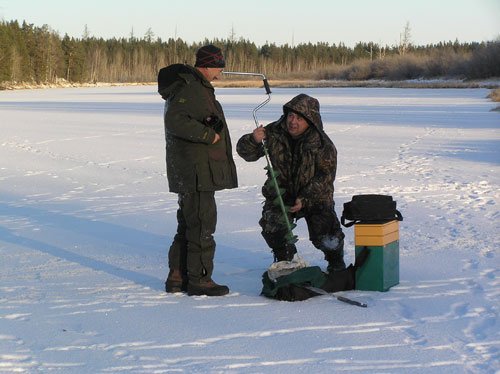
x,y
38,55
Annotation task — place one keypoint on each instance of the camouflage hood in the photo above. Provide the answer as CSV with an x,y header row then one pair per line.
x,y
307,107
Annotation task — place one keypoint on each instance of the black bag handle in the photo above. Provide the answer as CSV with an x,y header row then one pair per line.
x,y
348,224
399,217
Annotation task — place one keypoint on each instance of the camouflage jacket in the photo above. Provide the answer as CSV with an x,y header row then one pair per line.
x,y
307,165
193,162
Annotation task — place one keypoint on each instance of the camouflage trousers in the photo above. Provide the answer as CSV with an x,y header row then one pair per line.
x,y
193,248
323,225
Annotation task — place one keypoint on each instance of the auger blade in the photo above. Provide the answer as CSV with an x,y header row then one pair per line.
x,y
271,171
290,238
289,224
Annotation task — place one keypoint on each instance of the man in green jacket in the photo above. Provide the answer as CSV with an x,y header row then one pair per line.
x,y
306,161
199,162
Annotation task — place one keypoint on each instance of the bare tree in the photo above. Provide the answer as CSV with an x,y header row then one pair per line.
x,y
86,32
149,36
232,35
405,40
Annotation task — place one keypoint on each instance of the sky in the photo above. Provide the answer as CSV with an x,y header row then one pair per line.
x,y
267,21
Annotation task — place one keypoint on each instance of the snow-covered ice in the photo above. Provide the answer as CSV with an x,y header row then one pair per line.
x,y
86,220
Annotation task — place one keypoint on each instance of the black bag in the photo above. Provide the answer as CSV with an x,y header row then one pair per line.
x,y
345,280
370,209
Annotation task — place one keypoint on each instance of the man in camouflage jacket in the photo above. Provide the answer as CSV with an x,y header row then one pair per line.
x,y
306,161
199,162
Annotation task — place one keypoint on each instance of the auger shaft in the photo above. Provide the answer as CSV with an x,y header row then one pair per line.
x,y
290,237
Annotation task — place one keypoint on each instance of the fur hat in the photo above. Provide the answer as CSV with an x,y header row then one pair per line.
x,y
209,56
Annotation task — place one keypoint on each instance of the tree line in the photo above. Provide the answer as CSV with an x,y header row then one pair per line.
x,y
33,54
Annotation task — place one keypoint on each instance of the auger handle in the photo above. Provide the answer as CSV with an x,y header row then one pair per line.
x,y
264,79
266,86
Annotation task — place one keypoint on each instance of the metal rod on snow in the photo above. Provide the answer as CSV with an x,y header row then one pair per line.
x,y
344,299
273,174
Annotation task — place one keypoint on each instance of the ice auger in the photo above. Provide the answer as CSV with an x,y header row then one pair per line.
x,y
271,173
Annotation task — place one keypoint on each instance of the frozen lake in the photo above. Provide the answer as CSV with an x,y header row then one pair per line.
x,y
86,219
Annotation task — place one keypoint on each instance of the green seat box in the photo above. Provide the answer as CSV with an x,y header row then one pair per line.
x,y
381,269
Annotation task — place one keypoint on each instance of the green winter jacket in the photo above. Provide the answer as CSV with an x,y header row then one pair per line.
x,y
193,162
306,166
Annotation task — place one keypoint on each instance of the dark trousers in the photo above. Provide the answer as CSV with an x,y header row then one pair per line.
x,y
193,248
323,225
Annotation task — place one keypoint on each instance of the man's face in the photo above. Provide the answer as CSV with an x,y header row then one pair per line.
x,y
296,124
211,74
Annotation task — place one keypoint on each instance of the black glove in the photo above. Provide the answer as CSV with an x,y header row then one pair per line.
x,y
214,123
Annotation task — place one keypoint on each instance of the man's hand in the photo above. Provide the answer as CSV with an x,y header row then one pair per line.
x,y
298,206
215,123
216,139
259,134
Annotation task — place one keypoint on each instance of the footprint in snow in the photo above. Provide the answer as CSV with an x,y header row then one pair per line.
x,y
459,309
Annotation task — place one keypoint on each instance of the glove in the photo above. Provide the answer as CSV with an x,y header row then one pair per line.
x,y
214,123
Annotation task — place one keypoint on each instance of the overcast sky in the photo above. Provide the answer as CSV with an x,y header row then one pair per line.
x,y
261,21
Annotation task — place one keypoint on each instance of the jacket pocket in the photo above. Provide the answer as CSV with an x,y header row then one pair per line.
x,y
217,154
219,170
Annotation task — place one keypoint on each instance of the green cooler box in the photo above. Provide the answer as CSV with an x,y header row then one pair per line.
x,y
381,270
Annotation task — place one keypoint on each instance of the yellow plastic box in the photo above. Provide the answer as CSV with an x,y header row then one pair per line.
x,y
376,234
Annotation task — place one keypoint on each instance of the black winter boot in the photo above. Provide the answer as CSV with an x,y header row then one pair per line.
x,y
175,282
335,260
206,287
285,253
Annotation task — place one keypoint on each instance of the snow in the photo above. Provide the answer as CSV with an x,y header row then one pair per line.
x,y
86,219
